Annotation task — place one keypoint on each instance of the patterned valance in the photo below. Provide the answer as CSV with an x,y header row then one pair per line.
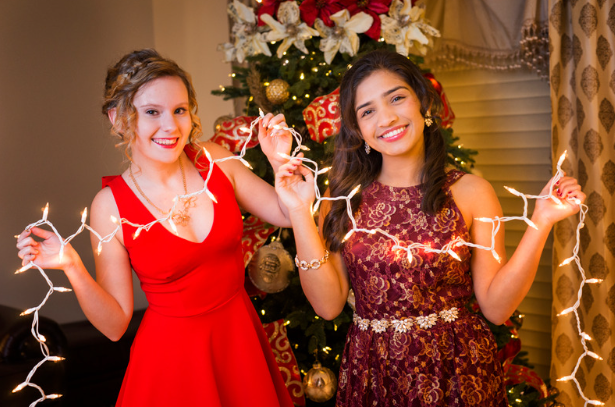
x,y
489,34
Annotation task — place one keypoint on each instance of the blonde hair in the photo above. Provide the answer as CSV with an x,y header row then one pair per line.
x,y
123,82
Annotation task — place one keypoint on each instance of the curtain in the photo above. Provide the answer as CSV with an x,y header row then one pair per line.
x,y
582,77
489,34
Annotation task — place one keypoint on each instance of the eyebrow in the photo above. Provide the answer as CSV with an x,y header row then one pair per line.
x,y
388,92
158,106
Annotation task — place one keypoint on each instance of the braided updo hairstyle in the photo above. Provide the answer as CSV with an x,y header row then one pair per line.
x,y
123,82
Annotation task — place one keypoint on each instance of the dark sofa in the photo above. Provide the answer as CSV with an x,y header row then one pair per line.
x,y
90,376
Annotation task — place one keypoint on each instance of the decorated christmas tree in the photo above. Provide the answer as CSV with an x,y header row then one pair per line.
x,y
288,57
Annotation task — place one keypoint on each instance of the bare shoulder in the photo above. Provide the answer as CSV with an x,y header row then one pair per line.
x,y
216,150
475,197
471,184
103,207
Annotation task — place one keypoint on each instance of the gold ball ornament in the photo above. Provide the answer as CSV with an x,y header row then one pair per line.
x,y
277,91
270,268
319,383
219,121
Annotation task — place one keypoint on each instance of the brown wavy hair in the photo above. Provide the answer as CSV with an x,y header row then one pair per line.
x,y
123,82
352,166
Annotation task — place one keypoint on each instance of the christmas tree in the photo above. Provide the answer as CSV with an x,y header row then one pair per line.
x,y
288,57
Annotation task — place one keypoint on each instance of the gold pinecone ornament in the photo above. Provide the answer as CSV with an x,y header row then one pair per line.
x,y
319,383
277,91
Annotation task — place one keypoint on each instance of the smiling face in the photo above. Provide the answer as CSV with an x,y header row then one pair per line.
x,y
163,120
389,116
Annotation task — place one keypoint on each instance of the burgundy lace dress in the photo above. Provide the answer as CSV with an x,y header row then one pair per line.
x,y
412,342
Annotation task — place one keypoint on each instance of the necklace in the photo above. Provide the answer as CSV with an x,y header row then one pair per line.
x,y
179,216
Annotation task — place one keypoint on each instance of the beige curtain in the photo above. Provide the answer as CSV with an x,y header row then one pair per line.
x,y
582,75
489,34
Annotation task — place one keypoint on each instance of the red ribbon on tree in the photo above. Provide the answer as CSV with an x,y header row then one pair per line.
x,y
517,374
322,116
230,136
447,115
284,356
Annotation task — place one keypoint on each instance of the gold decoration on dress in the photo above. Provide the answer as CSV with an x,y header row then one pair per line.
x,y
270,268
179,216
319,383
405,324
277,91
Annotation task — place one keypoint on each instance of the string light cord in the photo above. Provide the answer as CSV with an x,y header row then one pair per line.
x,y
410,249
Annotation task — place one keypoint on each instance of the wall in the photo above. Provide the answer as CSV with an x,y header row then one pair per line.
x,y
55,142
189,31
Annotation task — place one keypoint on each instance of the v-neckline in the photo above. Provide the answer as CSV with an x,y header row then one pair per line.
x,y
151,215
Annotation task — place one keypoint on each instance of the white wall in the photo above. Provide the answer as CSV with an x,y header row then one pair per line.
x,y
55,141
189,31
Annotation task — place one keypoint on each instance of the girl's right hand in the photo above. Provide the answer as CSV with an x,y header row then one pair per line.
x,y
44,253
294,185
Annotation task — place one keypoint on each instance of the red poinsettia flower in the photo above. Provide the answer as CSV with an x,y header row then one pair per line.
x,y
268,7
313,9
373,8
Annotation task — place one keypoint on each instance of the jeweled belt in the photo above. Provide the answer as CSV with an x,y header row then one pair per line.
x,y
403,325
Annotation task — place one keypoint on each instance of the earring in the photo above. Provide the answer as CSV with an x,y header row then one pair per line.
x,y
428,119
368,149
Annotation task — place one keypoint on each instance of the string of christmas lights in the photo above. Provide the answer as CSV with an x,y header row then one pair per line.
x,y
409,249
35,321
584,336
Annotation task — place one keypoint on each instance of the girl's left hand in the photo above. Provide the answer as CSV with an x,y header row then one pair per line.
x,y
274,141
568,191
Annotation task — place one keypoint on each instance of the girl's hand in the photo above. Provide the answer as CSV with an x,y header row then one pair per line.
x,y
274,141
44,253
295,185
568,191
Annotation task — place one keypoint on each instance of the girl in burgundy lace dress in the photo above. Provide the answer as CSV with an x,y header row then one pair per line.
x,y
412,342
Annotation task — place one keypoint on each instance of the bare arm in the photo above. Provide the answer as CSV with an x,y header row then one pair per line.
x,y
107,302
501,286
326,288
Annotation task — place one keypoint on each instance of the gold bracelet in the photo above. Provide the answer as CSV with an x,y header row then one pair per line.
x,y
314,264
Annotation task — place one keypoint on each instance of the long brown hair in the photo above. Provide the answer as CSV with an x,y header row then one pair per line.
x,y
123,82
352,166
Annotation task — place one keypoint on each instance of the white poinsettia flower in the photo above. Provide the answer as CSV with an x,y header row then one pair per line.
x,y
289,28
405,27
343,36
248,40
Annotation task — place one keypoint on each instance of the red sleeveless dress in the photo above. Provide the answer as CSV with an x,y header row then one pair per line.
x,y
200,342
413,343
